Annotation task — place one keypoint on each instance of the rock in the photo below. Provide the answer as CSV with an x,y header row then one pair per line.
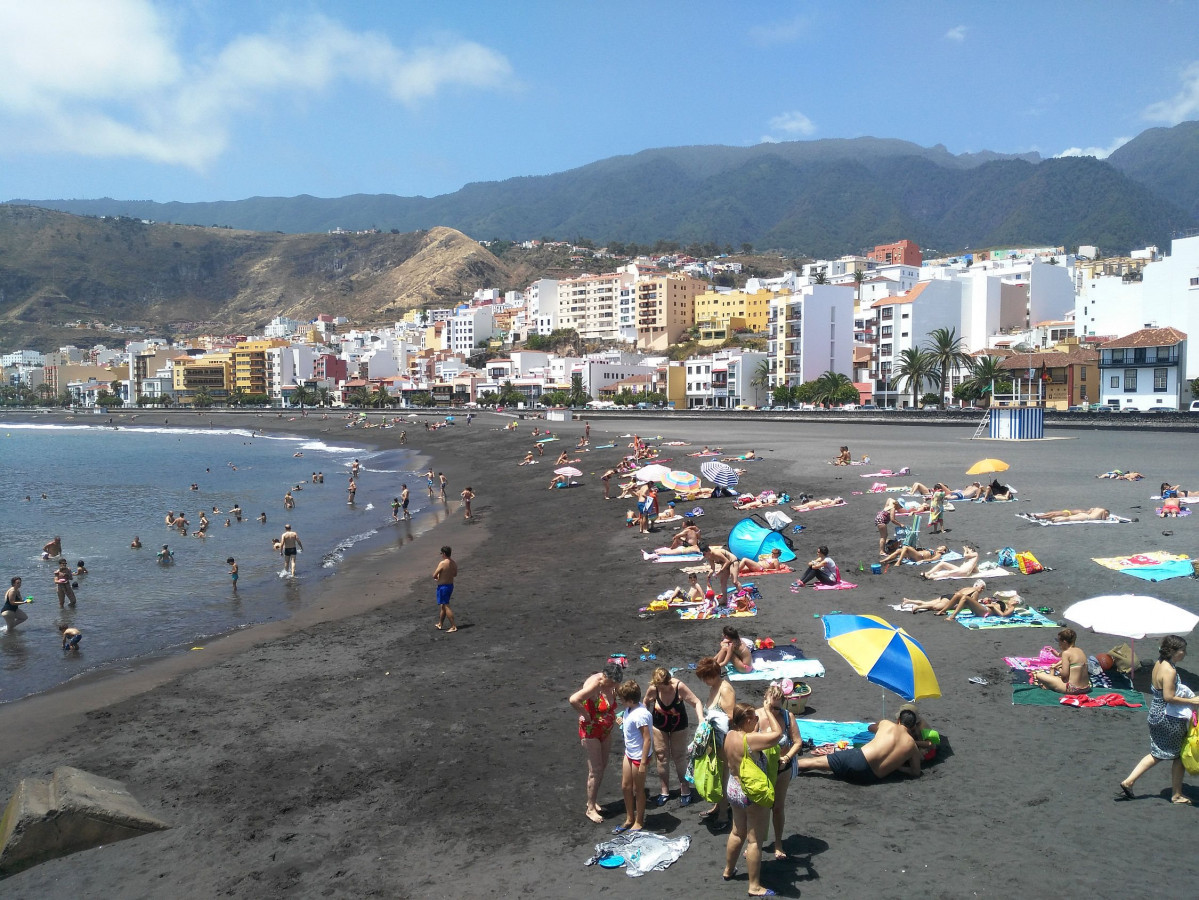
x,y
71,811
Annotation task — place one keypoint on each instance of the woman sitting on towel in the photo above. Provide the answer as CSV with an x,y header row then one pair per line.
x,y
823,569
996,491
818,504
734,651
915,555
772,563
528,460
1094,514
960,569
1070,676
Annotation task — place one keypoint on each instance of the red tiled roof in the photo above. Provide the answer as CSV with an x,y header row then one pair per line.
x,y
1051,359
1148,337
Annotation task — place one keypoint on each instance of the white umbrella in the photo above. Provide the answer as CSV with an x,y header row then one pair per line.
x,y
1131,616
568,471
653,472
719,474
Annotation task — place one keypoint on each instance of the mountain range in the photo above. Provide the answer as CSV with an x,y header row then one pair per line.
x,y
820,198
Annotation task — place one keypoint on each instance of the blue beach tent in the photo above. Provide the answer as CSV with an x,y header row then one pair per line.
x,y
751,539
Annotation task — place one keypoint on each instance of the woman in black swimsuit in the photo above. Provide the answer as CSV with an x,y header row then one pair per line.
x,y
667,700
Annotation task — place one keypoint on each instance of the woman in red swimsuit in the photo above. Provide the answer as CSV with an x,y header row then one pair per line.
x,y
595,703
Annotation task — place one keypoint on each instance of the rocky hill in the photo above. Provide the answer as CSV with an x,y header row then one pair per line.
x,y
57,268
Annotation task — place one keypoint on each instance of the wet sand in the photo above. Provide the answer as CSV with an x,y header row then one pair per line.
x,y
357,751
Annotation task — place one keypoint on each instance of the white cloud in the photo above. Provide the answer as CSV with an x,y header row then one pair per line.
x,y
110,80
1097,152
792,123
957,33
785,32
1182,106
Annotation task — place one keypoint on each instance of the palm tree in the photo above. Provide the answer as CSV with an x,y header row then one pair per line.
x,y
985,373
381,398
946,348
45,392
834,387
359,396
237,397
323,397
301,395
821,278
761,376
859,275
914,369
202,399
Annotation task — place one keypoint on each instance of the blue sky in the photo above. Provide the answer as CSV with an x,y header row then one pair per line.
x,y
224,99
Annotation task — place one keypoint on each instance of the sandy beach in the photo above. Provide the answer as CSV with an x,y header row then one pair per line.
x,y
354,750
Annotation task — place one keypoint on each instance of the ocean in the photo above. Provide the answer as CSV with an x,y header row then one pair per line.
x,y
102,486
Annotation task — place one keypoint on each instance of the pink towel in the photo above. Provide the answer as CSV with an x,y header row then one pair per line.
x,y
839,586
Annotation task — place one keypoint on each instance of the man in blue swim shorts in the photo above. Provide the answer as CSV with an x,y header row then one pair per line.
x,y
892,749
444,576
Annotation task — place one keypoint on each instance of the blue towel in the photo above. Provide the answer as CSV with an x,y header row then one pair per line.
x,y
1174,568
820,732
1030,619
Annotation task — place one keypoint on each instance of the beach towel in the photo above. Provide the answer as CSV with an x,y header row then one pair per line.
x,y
680,557
642,851
720,612
948,556
1028,619
1046,660
820,731
839,586
777,669
886,473
1182,512
548,440
783,569
710,453
1178,568
1155,565
988,573
1034,695
1110,520
603,446
813,509
1147,558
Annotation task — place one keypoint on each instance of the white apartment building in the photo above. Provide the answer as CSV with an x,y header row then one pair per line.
x,y
21,358
288,366
281,327
541,306
1167,294
598,373
904,322
722,380
590,304
471,325
811,332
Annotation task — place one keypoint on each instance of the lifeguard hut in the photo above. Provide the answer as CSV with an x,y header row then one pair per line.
x,y
1018,416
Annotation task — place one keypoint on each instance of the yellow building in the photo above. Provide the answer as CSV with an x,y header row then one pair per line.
x,y
212,373
250,365
719,313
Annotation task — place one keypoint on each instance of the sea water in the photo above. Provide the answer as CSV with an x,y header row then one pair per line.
x,y
103,486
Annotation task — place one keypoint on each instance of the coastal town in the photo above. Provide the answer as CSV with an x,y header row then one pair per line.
x,y
888,329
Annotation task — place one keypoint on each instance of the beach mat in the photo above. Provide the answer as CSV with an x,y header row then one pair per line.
x,y
722,612
819,731
950,556
839,586
1030,619
1156,565
1147,558
1110,520
774,670
985,574
1033,695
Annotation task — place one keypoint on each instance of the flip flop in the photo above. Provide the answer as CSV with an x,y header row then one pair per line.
x,y
977,680
621,829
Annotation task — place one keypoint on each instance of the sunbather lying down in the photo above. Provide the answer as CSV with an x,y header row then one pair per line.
x,y
698,494
915,555
968,598
967,566
1121,475
1094,514
771,563
817,504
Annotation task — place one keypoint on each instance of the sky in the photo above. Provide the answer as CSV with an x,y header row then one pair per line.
x,y
225,99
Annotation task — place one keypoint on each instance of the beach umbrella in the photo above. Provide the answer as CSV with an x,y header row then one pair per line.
x,y
884,654
987,466
655,472
568,471
679,481
1131,616
719,474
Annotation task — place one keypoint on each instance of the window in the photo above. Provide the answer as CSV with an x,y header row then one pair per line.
x,y
885,350
1160,378
1130,380
1082,374
888,313
885,331
1115,381
1195,282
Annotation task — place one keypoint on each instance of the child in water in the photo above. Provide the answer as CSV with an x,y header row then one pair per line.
x,y
232,570
71,637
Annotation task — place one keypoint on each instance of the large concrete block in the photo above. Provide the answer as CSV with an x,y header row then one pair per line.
x,y
70,811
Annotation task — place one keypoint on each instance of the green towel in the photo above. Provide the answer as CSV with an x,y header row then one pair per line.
x,y
1032,695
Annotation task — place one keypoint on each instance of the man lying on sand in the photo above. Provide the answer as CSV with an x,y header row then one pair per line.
x,y
1094,514
892,749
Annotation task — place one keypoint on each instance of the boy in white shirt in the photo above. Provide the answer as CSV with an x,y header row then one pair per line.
x,y
638,744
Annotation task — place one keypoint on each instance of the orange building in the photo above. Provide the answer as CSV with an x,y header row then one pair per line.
x,y
903,253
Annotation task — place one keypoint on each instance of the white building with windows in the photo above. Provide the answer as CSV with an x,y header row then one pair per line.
x,y
723,380
904,322
591,304
810,333
541,306
1144,370
469,326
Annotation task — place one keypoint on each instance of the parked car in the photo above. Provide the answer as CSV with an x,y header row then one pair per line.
x,y
1129,409
1161,409
1195,406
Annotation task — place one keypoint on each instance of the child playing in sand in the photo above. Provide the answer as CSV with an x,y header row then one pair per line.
x,y
71,637
638,744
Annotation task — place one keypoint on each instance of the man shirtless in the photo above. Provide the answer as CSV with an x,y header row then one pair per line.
x,y
52,548
723,565
1070,675
687,536
1094,514
892,749
444,575
289,543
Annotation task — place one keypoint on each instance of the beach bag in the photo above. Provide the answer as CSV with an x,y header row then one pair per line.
x,y
1124,659
1028,563
1190,749
705,775
1006,557
757,784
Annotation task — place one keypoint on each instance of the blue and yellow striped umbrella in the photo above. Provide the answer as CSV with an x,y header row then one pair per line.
x,y
886,655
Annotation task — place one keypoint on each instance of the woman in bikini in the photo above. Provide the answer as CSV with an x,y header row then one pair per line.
x,y
882,520
818,504
667,699
1003,607
1094,514
963,569
915,555
772,563
595,703
720,706
1172,490
748,736
733,651
1070,676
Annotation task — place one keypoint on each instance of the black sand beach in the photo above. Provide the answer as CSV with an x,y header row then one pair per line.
x,y
357,751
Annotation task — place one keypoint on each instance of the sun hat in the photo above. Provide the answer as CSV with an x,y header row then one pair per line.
x,y
787,686
710,594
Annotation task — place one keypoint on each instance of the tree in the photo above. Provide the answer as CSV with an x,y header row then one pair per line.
x,y
301,396
201,399
509,395
859,275
747,248
359,396
914,368
1193,384
986,372
424,316
381,397
946,348
761,376
555,398
237,397
578,396
821,278
781,395
835,388
323,397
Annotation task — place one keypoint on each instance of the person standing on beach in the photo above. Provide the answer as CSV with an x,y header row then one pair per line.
x,y
441,479
606,478
232,563
404,497
444,575
62,583
353,489
429,476
289,544
12,613
587,431
467,496
354,467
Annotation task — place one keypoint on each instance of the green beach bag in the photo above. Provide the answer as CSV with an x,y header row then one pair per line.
x,y
757,784
705,771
